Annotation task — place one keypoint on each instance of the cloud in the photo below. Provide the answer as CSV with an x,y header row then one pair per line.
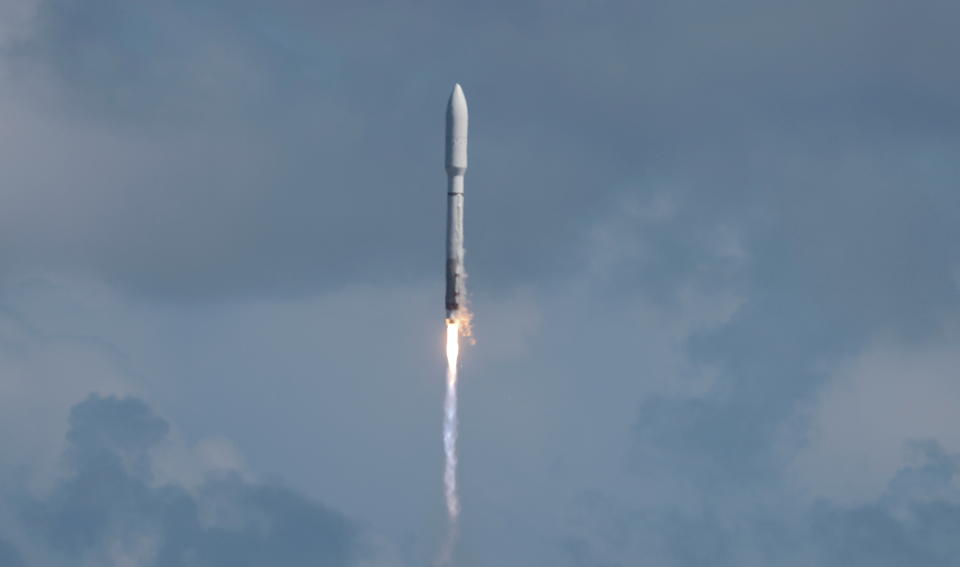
x,y
109,510
911,522
184,131
876,401
44,374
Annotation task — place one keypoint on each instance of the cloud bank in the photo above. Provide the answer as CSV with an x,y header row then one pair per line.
x,y
109,509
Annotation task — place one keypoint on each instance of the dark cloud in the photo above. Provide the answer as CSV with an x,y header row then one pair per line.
x,y
294,149
109,505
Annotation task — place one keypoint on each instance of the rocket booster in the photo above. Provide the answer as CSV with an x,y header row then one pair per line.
x,y
456,163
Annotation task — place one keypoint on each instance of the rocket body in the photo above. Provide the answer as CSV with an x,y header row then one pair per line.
x,y
456,165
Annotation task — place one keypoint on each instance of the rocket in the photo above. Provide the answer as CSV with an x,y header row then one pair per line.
x,y
456,164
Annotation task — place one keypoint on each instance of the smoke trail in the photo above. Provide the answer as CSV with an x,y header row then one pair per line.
x,y
450,441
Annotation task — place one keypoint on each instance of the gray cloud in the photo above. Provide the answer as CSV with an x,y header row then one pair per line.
x,y
110,510
233,118
911,523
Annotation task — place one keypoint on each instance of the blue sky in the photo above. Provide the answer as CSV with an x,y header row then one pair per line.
x,y
711,250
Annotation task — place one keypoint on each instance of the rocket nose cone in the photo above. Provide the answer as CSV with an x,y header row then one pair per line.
x,y
456,153
457,107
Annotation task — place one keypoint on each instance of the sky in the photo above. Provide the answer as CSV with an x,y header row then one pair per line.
x,y
712,259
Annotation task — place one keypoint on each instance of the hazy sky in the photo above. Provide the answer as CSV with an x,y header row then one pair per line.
x,y
712,250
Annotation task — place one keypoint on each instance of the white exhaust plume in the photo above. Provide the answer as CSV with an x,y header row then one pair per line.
x,y
450,442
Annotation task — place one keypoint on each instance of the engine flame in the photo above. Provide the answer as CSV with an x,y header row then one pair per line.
x,y
453,346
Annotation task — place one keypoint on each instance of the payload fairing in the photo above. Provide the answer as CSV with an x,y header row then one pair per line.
x,y
456,163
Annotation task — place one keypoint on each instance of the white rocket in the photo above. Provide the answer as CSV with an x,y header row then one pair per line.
x,y
456,162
